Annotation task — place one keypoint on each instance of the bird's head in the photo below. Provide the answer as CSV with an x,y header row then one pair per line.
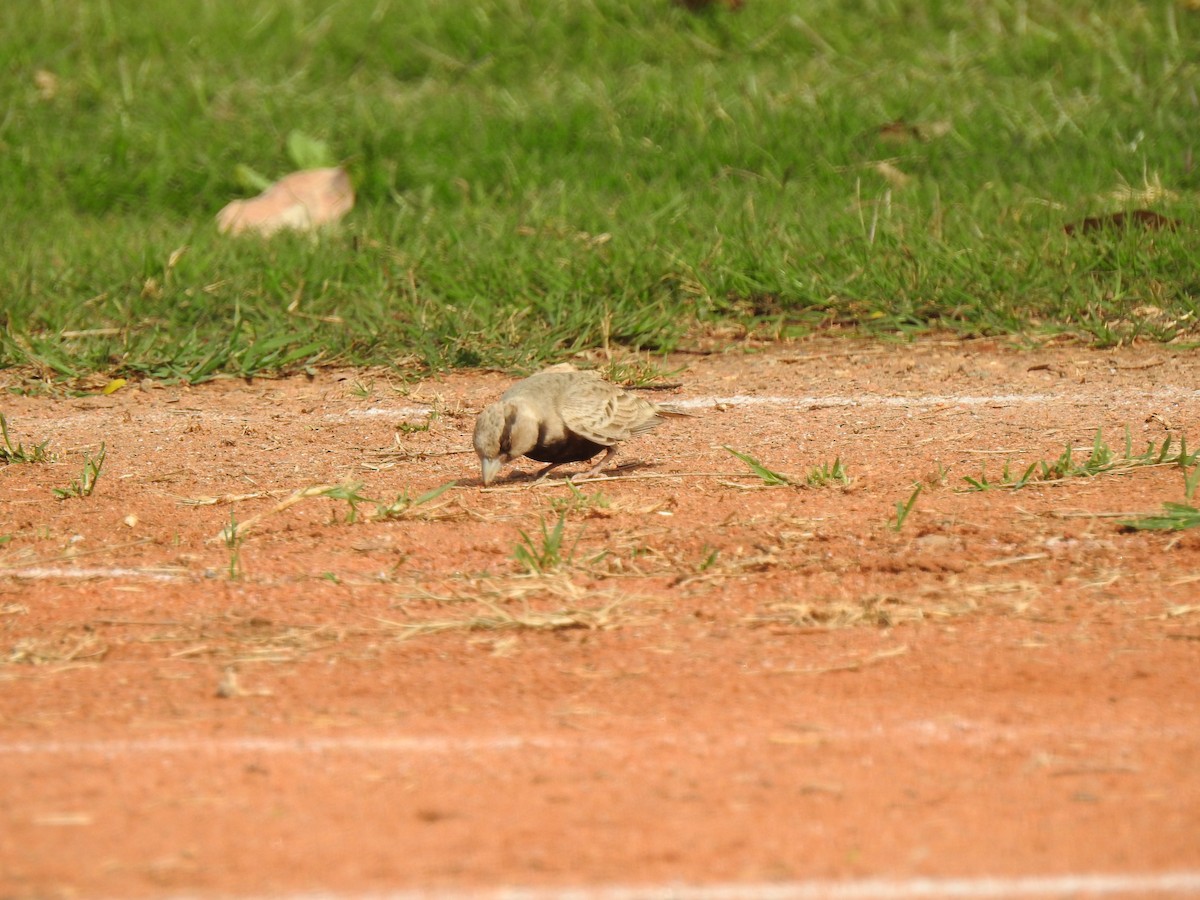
x,y
503,432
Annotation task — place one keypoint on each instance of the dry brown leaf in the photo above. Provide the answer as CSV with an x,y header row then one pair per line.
x,y
301,201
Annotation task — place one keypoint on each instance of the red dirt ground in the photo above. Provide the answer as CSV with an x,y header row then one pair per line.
x,y
722,683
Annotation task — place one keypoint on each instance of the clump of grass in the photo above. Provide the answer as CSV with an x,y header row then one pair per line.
x,y
547,550
361,390
349,492
984,483
824,475
828,474
1101,460
18,454
637,372
769,477
407,428
1174,517
578,500
86,482
406,507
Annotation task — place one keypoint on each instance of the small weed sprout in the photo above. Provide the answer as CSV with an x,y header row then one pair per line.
x,y
86,482
768,476
233,538
407,428
350,493
1174,517
827,474
938,475
903,508
545,552
405,506
981,483
18,454
578,500
1190,481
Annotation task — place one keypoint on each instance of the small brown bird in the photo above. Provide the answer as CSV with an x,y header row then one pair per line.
x,y
559,417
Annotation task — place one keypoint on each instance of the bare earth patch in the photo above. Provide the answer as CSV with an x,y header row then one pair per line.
x,y
700,680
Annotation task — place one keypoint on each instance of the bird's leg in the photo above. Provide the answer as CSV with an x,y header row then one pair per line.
x,y
595,470
609,453
544,472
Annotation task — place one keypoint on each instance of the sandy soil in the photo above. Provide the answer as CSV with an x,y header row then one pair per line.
x,y
721,682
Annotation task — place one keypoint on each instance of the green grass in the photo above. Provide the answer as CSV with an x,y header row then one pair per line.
x,y
408,507
904,507
10,453
349,492
827,474
85,484
1174,517
535,178
824,475
769,477
1101,459
544,552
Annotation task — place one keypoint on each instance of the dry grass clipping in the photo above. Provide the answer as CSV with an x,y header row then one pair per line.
x,y
491,608
887,610
57,651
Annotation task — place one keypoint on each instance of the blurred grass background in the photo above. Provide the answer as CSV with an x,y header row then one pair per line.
x,y
537,178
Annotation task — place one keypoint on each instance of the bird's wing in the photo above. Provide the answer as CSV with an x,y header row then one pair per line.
x,y
603,413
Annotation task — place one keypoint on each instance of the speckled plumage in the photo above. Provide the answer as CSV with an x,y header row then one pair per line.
x,y
559,417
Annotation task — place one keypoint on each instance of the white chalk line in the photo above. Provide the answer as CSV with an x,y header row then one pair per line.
x,y
1069,885
431,744
861,401
1080,396
33,573
963,732
807,402
816,401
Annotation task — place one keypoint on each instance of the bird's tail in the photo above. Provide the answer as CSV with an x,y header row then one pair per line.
x,y
666,409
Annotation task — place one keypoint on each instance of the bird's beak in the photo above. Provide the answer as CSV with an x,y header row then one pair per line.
x,y
490,469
